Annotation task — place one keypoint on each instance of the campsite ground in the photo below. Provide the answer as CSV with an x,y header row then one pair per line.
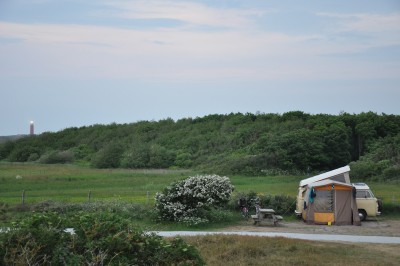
x,y
372,226
251,250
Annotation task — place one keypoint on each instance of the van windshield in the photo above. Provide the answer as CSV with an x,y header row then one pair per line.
x,y
365,194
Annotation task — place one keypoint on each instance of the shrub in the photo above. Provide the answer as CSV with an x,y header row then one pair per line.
x,y
131,211
137,156
191,200
392,173
109,156
55,157
363,170
98,239
6,148
184,160
21,153
33,157
281,204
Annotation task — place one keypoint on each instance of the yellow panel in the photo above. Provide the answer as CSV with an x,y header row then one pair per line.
x,y
320,217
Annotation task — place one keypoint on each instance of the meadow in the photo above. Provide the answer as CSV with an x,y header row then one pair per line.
x,y
77,184
70,183
66,184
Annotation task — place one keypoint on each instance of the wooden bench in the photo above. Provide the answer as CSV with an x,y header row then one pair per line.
x,y
266,216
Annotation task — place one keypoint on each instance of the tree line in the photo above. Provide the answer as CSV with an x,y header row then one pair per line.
x,y
236,143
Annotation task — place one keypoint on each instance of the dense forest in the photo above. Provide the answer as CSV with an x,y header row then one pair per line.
x,y
236,143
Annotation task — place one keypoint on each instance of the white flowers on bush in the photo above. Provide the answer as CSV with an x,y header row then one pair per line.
x,y
188,200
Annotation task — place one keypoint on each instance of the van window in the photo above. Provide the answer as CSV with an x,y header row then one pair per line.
x,y
363,194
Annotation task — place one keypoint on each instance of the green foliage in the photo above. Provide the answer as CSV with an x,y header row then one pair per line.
x,y
137,156
235,143
81,152
183,160
133,211
98,239
190,200
54,157
381,162
160,157
109,156
5,149
22,153
281,204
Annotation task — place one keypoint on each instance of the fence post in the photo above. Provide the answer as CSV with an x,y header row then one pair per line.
x,y
89,195
23,197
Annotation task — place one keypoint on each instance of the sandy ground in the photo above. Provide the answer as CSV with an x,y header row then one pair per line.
x,y
370,227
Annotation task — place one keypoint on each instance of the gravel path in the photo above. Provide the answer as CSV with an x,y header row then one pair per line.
x,y
316,237
375,230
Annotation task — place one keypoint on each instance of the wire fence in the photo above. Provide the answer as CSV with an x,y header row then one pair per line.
x,y
26,197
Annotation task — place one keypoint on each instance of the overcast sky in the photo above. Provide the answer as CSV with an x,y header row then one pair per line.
x,y
70,63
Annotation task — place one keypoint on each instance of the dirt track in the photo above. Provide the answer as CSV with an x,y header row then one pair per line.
x,y
371,227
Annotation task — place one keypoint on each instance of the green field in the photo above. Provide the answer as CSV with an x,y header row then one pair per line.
x,y
69,183
72,184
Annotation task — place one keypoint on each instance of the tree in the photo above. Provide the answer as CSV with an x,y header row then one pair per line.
x,y
109,156
6,148
160,157
136,156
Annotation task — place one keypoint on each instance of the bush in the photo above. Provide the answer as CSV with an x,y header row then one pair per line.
x,y
392,173
55,157
21,153
191,200
363,170
6,148
98,239
109,156
131,211
281,204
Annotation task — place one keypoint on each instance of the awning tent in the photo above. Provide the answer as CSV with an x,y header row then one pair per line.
x,y
330,202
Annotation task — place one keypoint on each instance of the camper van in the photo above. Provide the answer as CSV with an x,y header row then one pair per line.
x,y
367,204
330,202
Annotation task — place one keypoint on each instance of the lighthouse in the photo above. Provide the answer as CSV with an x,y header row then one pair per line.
x,y
31,128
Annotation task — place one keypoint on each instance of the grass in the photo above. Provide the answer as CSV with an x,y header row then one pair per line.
x,y
65,184
71,183
250,250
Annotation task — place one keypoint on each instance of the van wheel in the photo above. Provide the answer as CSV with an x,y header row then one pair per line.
x,y
362,214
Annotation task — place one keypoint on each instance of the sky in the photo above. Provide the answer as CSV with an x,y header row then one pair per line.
x,y
73,63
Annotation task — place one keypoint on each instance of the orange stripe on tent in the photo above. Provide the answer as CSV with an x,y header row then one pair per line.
x,y
329,187
320,217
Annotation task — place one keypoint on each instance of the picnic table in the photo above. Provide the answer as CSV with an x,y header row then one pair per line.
x,y
266,215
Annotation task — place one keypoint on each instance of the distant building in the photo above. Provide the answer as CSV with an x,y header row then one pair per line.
x,y
31,128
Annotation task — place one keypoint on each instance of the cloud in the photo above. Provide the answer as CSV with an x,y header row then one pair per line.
x,y
127,52
239,49
366,22
193,14
372,30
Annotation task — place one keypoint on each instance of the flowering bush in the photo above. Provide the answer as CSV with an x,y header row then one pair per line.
x,y
190,200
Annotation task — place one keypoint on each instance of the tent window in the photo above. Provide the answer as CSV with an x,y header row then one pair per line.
x,y
324,201
339,178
